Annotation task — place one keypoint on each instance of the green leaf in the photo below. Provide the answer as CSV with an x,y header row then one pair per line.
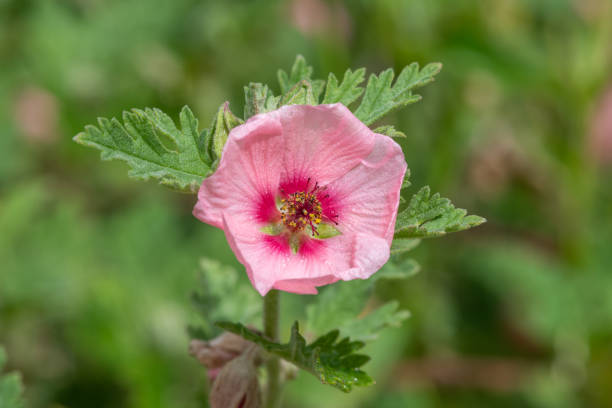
x,y
382,95
11,388
401,245
222,124
348,91
389,131
258,99
399,269
153,147
406,182
300,94
332,361
368,327
432,216
340,305
223,296
300,71
308,90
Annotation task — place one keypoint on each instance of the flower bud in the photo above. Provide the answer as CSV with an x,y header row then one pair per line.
x,y
236,385
214,354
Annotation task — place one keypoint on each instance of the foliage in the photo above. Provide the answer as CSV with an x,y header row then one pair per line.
x,y
430,216
348,91
382,95
153,147
389,131
11,389
340,305
258,99
214,304
85,276
332,361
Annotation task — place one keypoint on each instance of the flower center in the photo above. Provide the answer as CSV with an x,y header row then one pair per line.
x,y
302,209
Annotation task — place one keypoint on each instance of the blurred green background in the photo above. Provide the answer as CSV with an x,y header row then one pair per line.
x,y
96,269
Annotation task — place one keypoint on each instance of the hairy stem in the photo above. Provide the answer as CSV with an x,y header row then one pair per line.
x,y
270,323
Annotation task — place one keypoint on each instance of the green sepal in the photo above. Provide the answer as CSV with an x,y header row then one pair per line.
x,y
326,230
273,228
300,94
331,360
222,124
258,99
294,243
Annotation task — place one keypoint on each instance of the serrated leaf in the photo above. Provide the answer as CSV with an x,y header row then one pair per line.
x,y
300,94
317,89
389,131
151,144
406,181
348,91
332,361
11,388
368,327
382,95
429,216
402,245
340,305
300,71
213,301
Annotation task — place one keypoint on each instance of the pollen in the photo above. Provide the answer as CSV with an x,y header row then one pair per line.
x,y
302,209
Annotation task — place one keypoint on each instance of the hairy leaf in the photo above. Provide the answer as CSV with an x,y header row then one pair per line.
x,y
348,91
340,305
11,388
258,99
382,95
332,361
300,71
213,303
429,216
300,94
389,131
151,144
401,245
368,327
222,124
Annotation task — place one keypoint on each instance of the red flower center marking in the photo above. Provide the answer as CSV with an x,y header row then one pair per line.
x,y
301,209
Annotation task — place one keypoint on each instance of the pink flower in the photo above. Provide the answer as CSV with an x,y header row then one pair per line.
x,y
306,195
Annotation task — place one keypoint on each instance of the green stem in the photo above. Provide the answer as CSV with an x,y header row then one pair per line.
x,y
270,323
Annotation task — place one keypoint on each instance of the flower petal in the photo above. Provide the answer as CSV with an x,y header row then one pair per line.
x,y
322,142
346,257
367,197
248,172
286,149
